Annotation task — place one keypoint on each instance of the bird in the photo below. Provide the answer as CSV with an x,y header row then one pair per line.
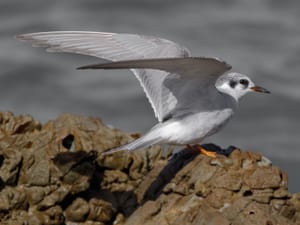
x,y
192,97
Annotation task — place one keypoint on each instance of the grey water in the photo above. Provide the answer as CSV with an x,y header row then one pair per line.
x,y
258,38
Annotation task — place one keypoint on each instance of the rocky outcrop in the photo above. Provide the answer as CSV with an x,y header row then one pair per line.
x,y
55,174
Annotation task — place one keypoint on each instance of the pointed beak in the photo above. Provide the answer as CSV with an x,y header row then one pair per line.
x,y
260,89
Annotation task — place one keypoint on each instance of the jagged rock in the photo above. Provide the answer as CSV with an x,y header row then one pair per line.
x,y
55,174
78,210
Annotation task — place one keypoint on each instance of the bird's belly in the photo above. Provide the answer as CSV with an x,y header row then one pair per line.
x,y
194,128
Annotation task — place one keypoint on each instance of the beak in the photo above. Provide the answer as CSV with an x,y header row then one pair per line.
x,y
260,89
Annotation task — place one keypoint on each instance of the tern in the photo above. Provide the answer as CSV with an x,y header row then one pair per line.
x,y
192,97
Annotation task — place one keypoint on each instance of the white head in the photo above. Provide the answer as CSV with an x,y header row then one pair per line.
x,y
237,85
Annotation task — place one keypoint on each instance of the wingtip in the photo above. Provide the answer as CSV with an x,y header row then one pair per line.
x,y
92,66
82,68
86,67
101,65
23,37
20,37
228,66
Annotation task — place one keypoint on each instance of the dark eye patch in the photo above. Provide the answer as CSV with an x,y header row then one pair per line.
x,y
232,83
244,82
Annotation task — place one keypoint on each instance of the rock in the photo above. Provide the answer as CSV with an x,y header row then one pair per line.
x,y
100,210
10,166
55,174
256,179
78,210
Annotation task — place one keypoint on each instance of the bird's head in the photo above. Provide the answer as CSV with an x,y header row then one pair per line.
x,y
237,85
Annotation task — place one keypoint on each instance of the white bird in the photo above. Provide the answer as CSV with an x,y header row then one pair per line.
x,y
191,97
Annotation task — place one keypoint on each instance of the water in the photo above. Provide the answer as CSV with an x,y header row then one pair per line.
x,y
258,38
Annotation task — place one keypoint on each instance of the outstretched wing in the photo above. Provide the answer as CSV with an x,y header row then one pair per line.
x,y
161,66
116,47
188,84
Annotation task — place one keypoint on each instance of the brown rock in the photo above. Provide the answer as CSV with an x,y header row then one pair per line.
x,y
263,195
230,180
54,198
295,202
281,193
12,198
10,166
100,211
264,177
55,174
219,197
51,216
35,168
37,194
77,211
10,124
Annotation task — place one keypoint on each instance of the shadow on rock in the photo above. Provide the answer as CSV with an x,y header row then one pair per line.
x,y
67,161
175,164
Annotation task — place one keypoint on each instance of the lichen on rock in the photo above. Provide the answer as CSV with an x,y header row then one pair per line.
x,y
55,174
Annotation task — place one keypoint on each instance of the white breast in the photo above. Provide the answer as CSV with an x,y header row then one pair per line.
x,y
194,128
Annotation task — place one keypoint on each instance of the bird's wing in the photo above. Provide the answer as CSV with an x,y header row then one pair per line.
x,y
162,79
187,85
116,47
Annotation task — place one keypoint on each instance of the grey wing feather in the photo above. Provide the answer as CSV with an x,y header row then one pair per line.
x,y
187,67
187,85
115,47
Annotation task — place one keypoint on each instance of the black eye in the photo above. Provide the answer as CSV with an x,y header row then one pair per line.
x,y
232,84
244,82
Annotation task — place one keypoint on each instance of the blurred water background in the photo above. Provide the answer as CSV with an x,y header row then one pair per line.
x,y
260,38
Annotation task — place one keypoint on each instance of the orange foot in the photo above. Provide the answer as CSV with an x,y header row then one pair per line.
x,y
203,151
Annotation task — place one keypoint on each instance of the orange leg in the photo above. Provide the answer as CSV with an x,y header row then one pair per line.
x,y
206,152
203,151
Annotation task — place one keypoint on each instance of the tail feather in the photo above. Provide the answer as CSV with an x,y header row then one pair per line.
x,y
142,142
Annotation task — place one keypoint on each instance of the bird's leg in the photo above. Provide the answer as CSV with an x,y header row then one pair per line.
x,y
202,150
191,148
206,152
